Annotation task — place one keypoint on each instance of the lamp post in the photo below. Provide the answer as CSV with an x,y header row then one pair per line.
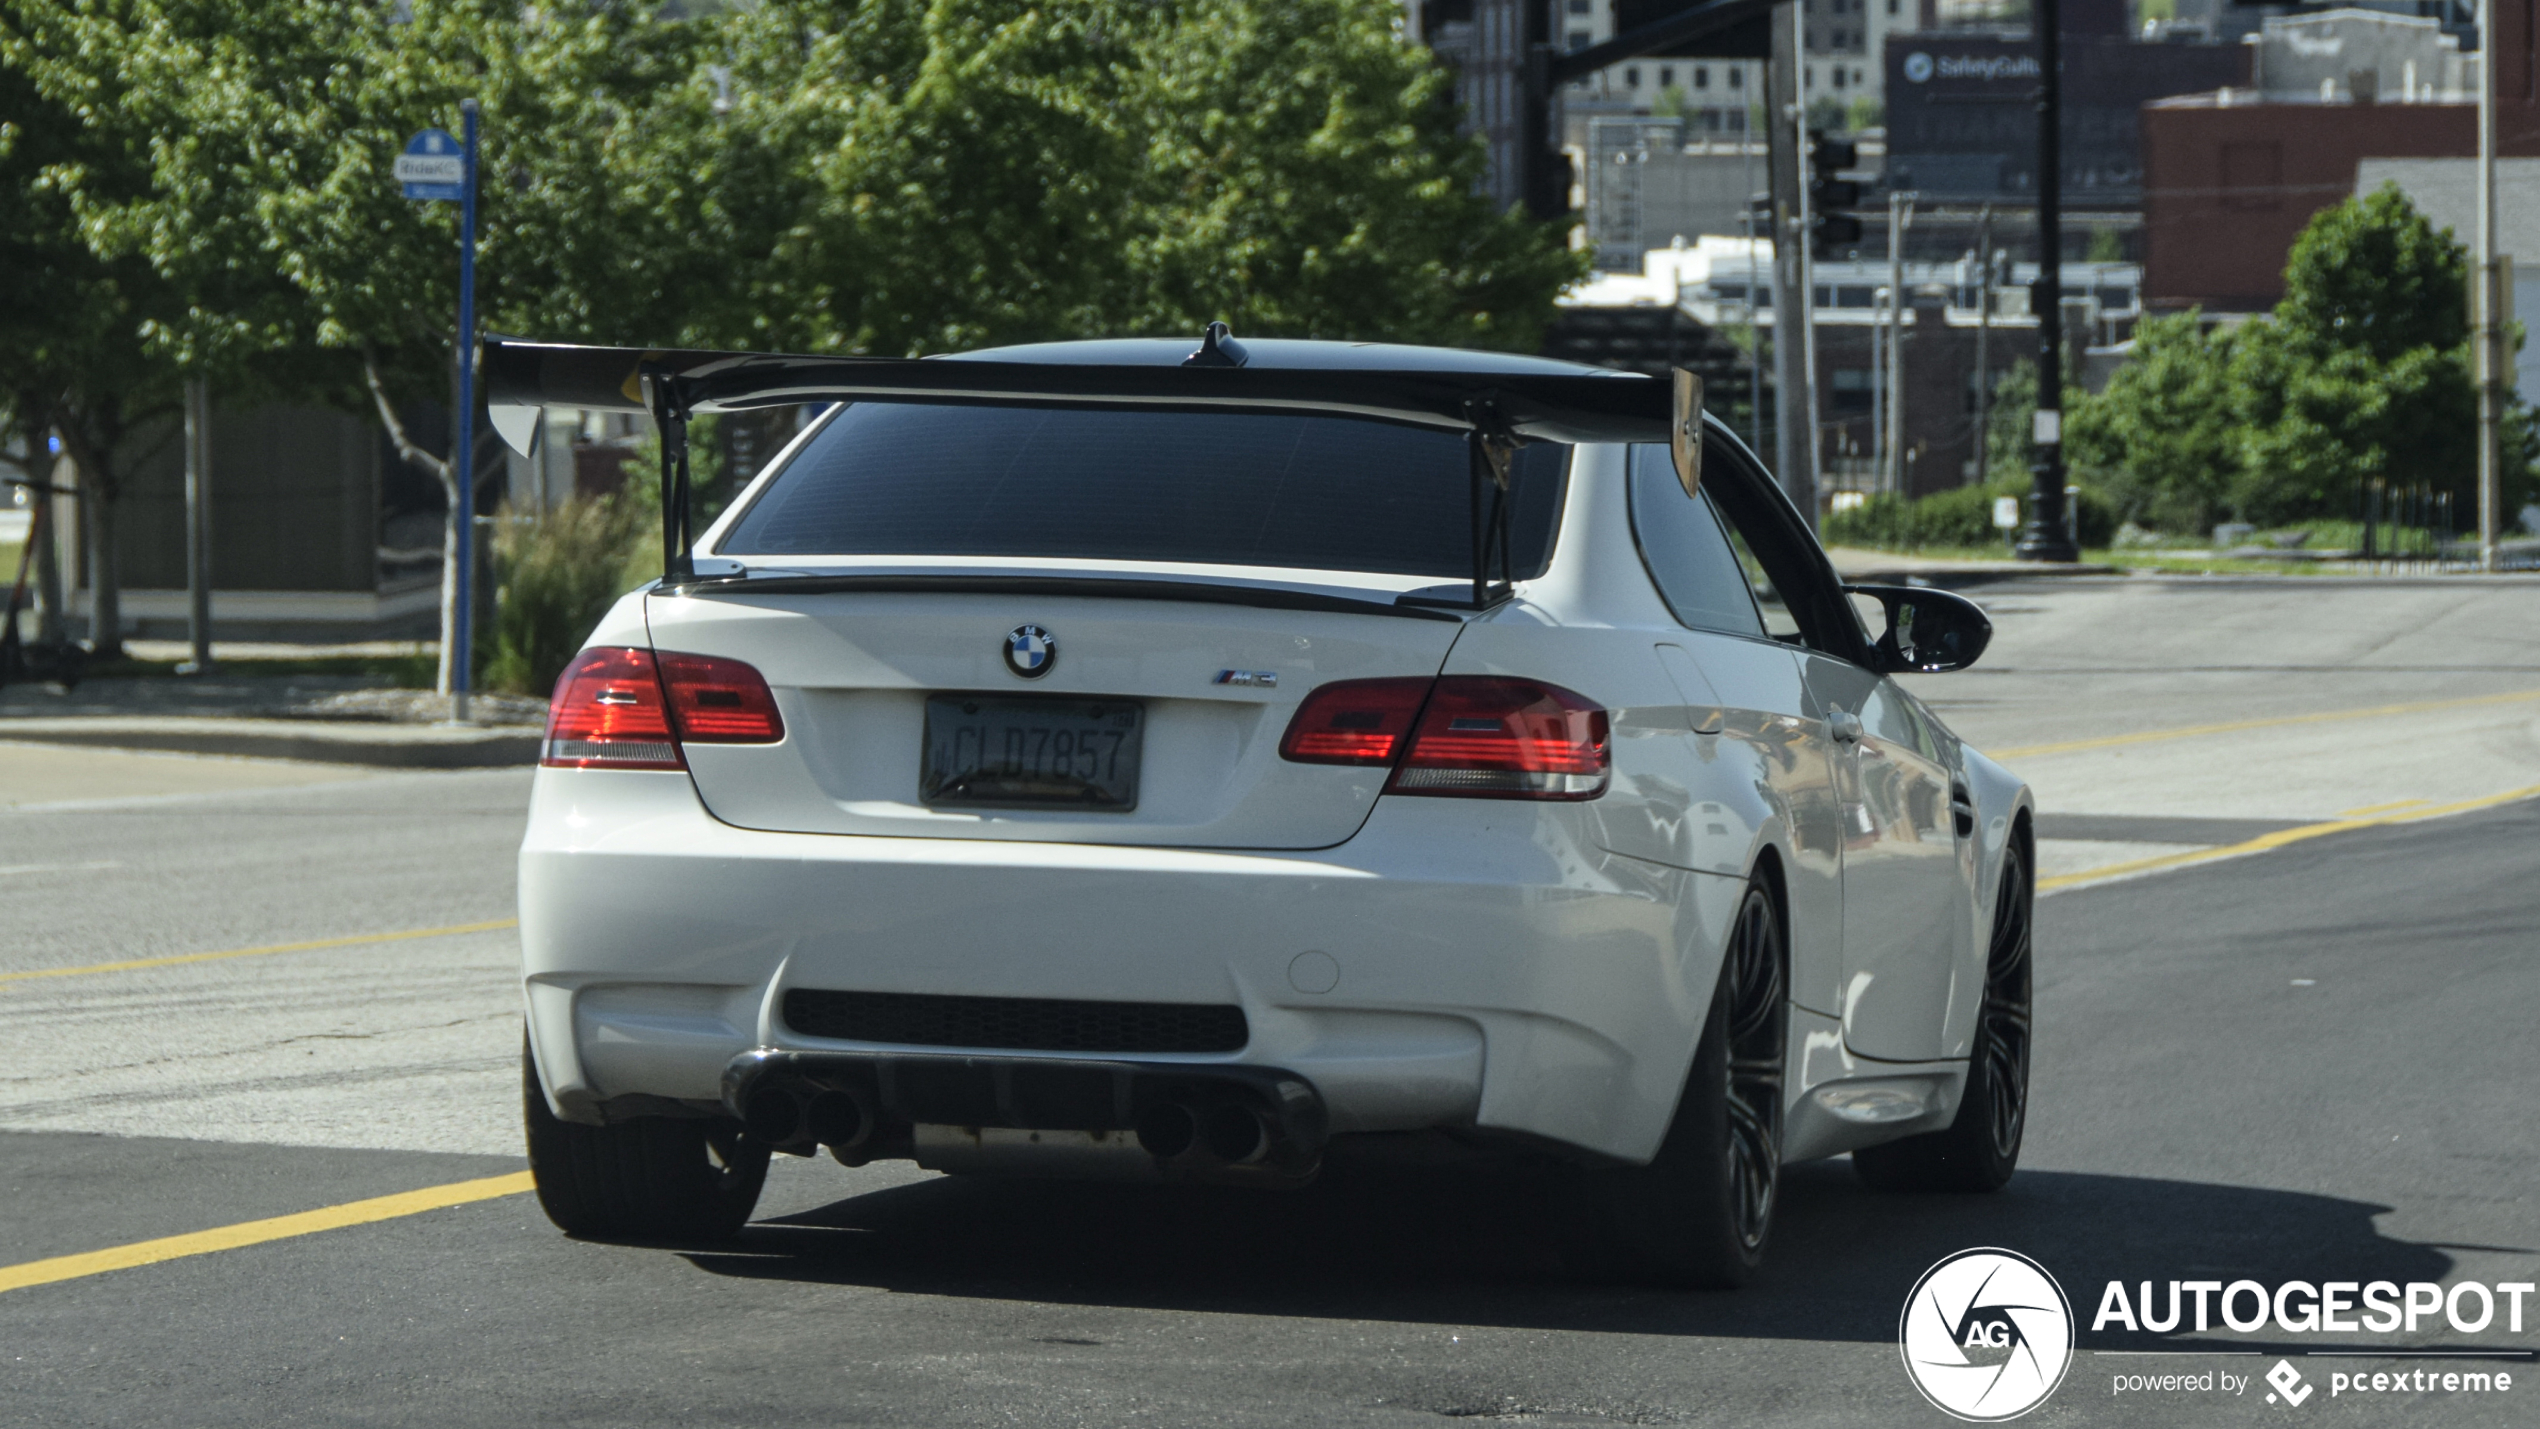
x,y
2046,538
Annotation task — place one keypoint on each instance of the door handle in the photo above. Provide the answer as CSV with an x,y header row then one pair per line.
x,y
1844,726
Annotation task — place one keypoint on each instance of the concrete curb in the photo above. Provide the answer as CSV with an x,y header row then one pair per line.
x,y
395,746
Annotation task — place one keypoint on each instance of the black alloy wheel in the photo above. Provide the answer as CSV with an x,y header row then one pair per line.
x,y
1699,1214
1981,1147
1759,1044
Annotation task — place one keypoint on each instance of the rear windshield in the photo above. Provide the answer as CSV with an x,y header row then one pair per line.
x,y
1319,493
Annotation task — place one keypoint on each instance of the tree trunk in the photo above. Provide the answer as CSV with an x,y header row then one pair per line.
x,y
105,584
457,509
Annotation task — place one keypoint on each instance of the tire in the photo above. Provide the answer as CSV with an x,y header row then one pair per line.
x,y
1981,1147
1699,1214
646,1178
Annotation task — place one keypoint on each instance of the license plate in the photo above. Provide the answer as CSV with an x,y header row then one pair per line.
x,y
1048,752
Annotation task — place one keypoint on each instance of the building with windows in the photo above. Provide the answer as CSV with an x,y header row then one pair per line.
x,y
1839,70
2333,104
1691,293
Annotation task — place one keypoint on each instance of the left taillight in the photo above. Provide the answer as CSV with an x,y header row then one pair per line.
x,y
619,707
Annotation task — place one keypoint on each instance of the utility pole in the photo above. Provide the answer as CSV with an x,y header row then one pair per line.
x,y
1794,298
1900,213
1984,338
1755,335
2488,306
2045,539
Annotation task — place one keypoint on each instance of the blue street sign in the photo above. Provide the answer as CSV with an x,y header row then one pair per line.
x,y
438,168
433,167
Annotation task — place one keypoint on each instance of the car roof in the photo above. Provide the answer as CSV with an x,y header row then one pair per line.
x,y
1288,354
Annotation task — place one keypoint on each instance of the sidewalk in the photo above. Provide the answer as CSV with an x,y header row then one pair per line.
x,y
1869,567
330,719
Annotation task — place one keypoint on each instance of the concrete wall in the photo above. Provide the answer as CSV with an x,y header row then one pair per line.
x,y
295,503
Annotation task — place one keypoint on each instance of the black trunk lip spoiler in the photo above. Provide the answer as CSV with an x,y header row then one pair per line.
x,y
1121,587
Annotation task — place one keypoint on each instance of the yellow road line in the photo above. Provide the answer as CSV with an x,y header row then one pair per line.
x,y
2281,837
177,1247
312,945
2377,808
2153,736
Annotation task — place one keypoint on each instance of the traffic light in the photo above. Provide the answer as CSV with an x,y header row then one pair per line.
x,y
1830,228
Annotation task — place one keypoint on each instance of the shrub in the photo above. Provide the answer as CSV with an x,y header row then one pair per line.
x,y
1960,518
555,576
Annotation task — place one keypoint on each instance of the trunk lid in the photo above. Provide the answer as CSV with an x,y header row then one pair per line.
x,y
853,673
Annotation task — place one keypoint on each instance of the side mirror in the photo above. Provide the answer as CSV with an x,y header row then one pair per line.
x,y
1928,631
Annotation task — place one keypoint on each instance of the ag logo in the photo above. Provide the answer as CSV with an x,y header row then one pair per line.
x,y
1918,67
1987,1335
1030,651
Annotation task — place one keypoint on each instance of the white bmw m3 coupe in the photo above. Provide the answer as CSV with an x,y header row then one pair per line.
x,y
1116,760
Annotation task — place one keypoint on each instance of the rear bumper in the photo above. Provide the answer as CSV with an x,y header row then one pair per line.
x,y
1457,964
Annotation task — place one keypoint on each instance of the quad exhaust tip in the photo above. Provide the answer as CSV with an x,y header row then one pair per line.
x,y
1166,1130
772,1114
838,1120
842,1121
1236,1136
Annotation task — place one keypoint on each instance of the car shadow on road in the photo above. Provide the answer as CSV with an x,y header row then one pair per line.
x,y
1475,1247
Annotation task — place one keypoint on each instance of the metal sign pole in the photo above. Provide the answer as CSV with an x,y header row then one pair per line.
x,y
1794,301
463,422
2487,312
2046,539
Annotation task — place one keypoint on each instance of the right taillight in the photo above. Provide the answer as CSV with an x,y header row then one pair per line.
x,y
1467,736
1354,722
618,707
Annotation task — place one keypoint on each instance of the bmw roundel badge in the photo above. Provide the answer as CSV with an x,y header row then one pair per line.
x,y
1030,651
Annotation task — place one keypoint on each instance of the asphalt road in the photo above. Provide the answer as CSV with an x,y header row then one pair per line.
x,y
2314,1063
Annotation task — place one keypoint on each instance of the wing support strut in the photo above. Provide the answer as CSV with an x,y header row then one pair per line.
x,y
670,417
1490,444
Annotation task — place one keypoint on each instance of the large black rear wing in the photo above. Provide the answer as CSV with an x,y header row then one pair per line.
x,y
1496,411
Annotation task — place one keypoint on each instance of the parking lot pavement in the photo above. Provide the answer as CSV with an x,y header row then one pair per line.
x,y
2163,711
250,996
2311,1066
41,775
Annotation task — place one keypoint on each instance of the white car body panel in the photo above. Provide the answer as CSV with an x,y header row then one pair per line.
x,y
1541,969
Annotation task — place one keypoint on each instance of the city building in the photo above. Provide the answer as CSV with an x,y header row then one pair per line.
x,y
1715,97
2234,174
1700,301
1962,107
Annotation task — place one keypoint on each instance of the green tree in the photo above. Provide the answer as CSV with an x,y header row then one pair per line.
x,y
884,176
2164,437
1304,178
2010,421
2373,275
2363,375
264,201
75,358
